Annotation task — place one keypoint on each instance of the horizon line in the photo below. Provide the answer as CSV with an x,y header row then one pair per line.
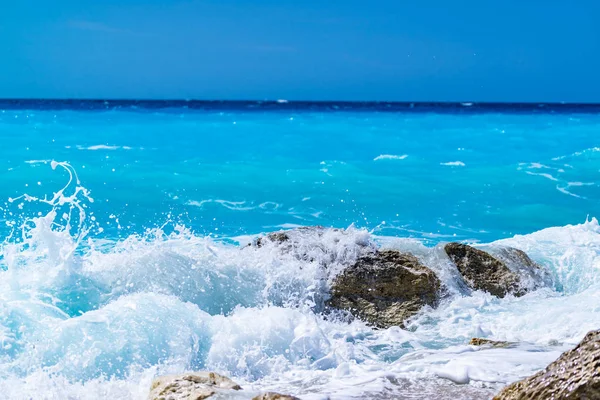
x,y
286,101
295,106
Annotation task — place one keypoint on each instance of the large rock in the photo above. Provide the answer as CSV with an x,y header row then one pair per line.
x,y
575,375
325,246
385,288
481,271
531,275
278,237
190,386
490,343
294,236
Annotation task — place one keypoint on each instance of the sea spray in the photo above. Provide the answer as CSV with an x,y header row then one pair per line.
x,y
88,317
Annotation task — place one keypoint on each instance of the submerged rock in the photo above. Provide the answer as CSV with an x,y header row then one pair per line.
x,y
532,276
318,244
575,375
275,237
293,235
481,271
191,386
274,396
490,343
385,288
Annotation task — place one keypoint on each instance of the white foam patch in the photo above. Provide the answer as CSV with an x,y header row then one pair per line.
x,y
231,205
454,164
567,192
267,206
544,175
103,147
390,157
538,166
578,153
33,162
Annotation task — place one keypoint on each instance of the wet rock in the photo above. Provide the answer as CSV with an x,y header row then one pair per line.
x,y
274,237
490,343
293,235
318,244
274,396
481,271
532,276
190,386
575,375
385,288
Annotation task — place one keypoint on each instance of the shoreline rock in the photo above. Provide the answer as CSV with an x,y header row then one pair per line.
x,y
574,375
385,288
482,271
490,343
325,246
532,276
203,385
190,386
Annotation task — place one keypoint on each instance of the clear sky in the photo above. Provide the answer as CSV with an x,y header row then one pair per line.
x,y
438,50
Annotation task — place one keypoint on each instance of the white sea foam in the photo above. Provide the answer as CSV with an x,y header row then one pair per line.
x,y
544,175
38,161
567,192
536,165
390,157
232,205
266,206
103,147
578,153
87,318
454,164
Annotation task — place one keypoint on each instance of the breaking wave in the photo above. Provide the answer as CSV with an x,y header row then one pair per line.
x,y
85,317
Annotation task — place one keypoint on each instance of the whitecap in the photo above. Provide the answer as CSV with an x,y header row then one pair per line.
x,y
578,153
38,161
565,191
454,164
544,175
231,205
103,147
390,157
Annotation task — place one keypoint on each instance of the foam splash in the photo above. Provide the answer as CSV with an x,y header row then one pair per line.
x,y
103,147
87,318
390,157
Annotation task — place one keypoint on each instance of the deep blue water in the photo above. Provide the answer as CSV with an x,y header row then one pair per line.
x,y
481,172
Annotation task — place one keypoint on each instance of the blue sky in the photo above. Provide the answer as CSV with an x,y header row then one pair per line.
x,y
526,50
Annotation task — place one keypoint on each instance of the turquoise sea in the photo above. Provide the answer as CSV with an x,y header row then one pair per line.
x,y
124,226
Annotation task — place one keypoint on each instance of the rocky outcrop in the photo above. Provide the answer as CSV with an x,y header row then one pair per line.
x,y
293,236
385,288
274,396
575,375
203,385
325,246
490,343
481,271
531,275
191,386
278,237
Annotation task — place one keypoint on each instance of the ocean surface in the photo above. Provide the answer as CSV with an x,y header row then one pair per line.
x,y
125,227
